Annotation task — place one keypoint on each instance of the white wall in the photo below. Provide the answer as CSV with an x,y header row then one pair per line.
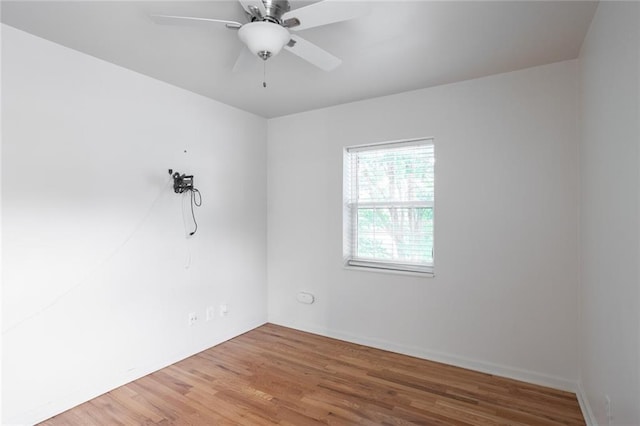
x,y
610,213
505,295
98,275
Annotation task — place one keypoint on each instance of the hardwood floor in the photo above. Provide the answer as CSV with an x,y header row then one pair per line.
x,y
276,375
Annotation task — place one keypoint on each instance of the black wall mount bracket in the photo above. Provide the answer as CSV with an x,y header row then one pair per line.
x,y
181,182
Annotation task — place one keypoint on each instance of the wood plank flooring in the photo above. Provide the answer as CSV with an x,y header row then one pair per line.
x,y
275,375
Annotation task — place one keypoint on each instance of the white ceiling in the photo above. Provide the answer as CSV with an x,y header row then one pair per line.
x,y
399,46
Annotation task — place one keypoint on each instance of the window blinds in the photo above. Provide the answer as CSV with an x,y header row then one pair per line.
x,y
389,201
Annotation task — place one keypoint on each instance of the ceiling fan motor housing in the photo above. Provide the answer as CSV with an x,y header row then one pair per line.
x,y
275,9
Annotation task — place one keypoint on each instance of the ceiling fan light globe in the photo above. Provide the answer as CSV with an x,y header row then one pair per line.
x,y
263,37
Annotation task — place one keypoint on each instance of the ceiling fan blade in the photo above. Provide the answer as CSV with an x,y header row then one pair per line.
x,y
191,21
312,53
251,6
325,12
246,61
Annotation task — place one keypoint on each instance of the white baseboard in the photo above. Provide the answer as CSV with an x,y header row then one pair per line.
x,y
584,406
458,361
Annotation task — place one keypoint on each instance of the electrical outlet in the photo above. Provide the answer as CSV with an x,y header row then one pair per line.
x,y
607,409
193,317
210,313
224,310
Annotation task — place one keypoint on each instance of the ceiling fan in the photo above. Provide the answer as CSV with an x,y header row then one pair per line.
x,y
270,21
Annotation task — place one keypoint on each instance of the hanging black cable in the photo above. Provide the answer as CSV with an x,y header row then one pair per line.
x,y
197,203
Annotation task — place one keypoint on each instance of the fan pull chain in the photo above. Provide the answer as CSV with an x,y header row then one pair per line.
x,y
264,74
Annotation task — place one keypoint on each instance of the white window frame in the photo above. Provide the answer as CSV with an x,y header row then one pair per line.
x,y
351,206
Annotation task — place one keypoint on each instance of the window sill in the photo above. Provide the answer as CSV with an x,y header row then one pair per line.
x,y
390,271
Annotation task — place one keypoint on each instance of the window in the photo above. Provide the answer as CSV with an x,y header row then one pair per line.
x,y
388,206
